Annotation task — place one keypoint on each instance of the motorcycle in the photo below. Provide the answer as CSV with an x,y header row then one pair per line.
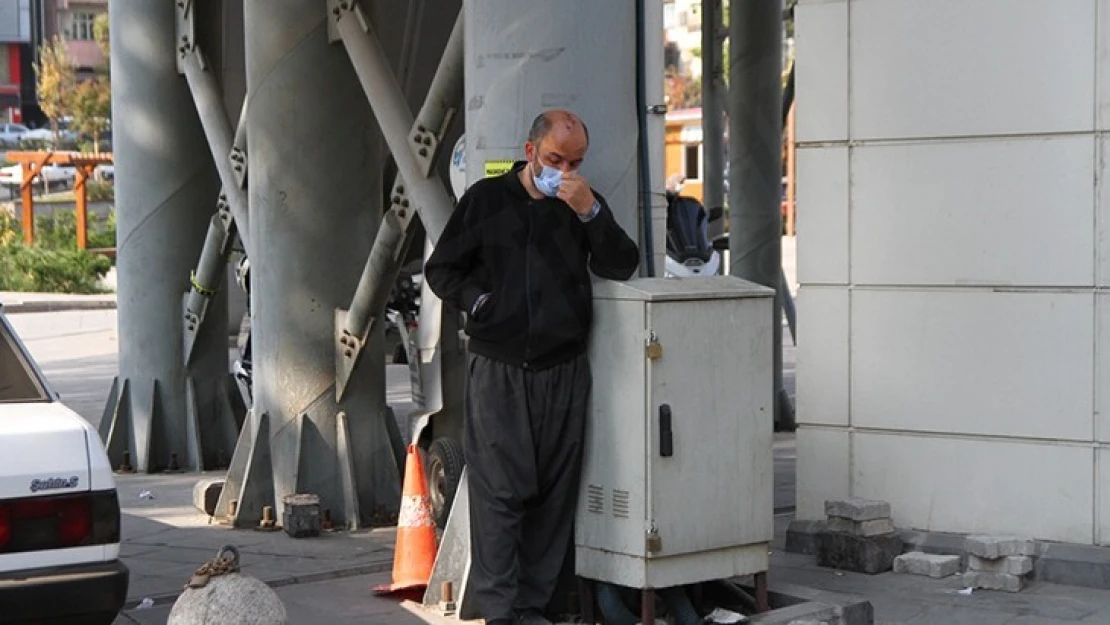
x,y
690,252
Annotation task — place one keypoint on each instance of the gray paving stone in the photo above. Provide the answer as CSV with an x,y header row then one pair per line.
x,y
874,527
994,581
929,565
994,547
1011,565
861,554
857,509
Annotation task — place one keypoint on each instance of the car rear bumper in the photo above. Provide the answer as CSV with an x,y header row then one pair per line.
x,y
63,592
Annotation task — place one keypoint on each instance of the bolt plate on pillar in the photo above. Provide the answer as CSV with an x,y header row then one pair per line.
x,y
191,325
425,146
348,349
186,32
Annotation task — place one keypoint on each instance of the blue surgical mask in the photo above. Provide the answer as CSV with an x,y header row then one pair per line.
x,y
548,181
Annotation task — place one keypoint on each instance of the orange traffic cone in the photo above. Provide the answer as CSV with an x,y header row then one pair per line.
x,y
415,552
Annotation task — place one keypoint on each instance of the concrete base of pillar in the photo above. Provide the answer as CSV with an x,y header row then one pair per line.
x,y
211,426
355,496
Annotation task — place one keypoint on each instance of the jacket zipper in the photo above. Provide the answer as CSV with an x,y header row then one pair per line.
x,y
528,286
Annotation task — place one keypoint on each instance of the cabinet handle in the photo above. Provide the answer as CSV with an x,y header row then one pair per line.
x,y
666,434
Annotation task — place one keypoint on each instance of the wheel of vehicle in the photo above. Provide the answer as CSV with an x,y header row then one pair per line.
x,y
445,465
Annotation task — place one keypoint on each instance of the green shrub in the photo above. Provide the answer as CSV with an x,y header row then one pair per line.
x,y
39,269
58,231
53,263
98,191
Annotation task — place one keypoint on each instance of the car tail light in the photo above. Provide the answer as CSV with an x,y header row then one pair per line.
x,y
40,523
5,527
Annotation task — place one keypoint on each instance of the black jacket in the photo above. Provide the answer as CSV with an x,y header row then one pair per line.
x,y
533,258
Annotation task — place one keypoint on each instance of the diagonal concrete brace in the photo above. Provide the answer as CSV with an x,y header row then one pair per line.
x,y
218,244
417,188
206,280
213,117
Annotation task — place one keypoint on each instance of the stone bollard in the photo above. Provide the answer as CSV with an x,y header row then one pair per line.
x,y
219,593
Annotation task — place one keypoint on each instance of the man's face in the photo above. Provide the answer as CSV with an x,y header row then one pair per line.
x,y
564,148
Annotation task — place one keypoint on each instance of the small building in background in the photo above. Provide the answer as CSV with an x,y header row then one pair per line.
x,y
684,158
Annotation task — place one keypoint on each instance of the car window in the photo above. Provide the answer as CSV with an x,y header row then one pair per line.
x,y
17,128
18,380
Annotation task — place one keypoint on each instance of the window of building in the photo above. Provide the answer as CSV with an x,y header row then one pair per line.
x,y
691,161
5,64
81,26
669,19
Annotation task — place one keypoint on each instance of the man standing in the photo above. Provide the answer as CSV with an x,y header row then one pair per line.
x,y
516,255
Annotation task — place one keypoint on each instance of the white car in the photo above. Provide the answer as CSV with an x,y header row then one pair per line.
x,y
59,509
12,175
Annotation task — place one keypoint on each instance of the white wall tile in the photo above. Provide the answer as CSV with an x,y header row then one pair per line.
x,y
822,197
1102,474
1014,212
1103,61
1102,248
821,75
978,486
822,355
923,68
822,470
971,361
1102,367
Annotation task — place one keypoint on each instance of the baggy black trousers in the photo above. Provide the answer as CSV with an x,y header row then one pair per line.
x,y
523,447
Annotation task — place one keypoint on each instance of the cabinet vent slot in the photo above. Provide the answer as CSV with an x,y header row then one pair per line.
x,y
595,499
620,504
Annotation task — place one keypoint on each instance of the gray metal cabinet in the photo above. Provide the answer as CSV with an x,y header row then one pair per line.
x,y
677,481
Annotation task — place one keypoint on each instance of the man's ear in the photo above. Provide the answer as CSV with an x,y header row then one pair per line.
x,y
529,150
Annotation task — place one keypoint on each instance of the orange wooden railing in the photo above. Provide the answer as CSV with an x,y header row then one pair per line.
x,y
32,164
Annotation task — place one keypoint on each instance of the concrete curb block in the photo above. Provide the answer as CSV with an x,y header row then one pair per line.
x,y
1056,563
790,602
40,306
364,569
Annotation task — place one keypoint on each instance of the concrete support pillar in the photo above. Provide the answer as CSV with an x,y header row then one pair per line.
x,y
521,60
755,156
713,119
314,195
166,193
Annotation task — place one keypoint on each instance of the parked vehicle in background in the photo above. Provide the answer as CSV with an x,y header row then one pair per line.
x,y
59,509
12,134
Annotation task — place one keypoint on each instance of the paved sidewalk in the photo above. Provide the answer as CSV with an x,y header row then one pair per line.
x,y
165,539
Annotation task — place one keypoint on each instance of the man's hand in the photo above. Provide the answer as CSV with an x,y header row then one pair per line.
x,y
576,192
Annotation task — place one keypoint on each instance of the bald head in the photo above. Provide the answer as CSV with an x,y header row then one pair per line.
x,y
557,119
558,138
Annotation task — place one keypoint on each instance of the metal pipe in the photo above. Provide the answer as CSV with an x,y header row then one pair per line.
x,y
713,132
755,176
429,195
217,128
646,218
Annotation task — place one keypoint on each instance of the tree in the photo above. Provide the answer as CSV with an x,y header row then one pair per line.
x,y
91,100
56,81
100,33
91,105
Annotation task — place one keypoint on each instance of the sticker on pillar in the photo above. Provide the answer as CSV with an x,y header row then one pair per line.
x,y
497,168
